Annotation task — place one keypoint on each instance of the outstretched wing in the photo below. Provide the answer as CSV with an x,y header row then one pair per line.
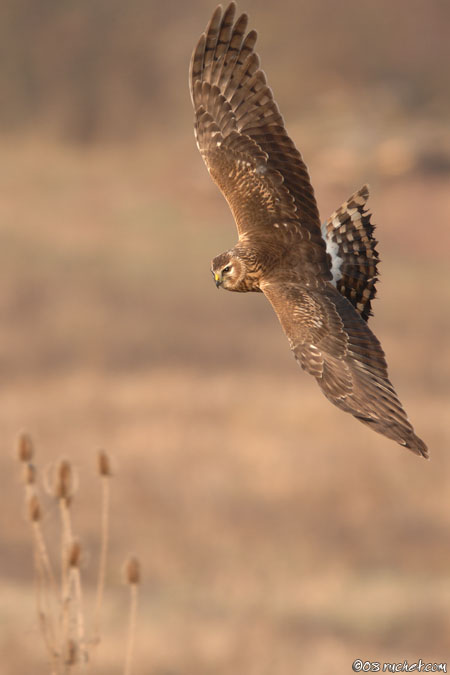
x,y
241,136
332,342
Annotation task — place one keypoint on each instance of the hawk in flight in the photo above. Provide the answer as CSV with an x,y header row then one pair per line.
x,y
320,279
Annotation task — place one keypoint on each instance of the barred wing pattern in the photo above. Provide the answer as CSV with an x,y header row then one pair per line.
x,y
335,345
241,136
320,280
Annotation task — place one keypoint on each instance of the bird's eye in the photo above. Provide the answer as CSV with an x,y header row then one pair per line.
x,y
226,269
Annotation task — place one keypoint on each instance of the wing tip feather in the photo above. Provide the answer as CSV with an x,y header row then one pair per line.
x,y
416,445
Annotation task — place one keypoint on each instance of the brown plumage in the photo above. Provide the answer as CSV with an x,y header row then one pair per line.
x,y
349,236
319,280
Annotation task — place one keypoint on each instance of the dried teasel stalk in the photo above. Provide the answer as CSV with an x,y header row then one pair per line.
x,y
105,472
132,573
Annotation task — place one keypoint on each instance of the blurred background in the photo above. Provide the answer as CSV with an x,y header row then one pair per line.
x,y
276,534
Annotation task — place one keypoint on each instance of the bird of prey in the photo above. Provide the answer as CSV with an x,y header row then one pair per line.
x,y
319,279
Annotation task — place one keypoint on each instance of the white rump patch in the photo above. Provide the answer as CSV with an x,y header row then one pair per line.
x,y
336,260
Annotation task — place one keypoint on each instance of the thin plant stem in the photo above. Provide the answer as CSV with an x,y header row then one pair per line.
x,y
66,534
44,581
78,594
103,556
44,557
42,603
131,628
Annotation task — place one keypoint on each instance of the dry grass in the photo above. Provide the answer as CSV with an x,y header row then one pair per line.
x,y
277,534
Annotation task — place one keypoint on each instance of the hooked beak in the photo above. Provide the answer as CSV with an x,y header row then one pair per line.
x,y
218,279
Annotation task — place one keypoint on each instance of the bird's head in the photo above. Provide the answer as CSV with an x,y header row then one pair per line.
x,y
228,271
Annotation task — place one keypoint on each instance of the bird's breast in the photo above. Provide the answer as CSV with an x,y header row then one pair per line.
x,y
250,283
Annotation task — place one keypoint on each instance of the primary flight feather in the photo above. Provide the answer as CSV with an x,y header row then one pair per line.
x,y
320,279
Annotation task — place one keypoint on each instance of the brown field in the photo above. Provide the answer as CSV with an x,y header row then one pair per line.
x,y
276,534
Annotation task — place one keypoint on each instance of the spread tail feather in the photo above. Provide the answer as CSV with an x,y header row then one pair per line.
x,y
348,234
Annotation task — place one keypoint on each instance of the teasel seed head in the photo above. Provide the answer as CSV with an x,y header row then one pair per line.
x,y
25,447
104,463
132,570
74,553
62,481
